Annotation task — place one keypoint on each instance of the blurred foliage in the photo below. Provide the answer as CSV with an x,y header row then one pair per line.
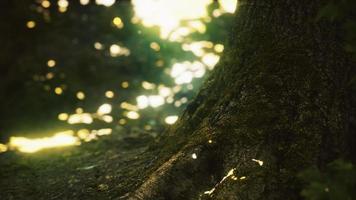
x,y
336,182
342,11
28,103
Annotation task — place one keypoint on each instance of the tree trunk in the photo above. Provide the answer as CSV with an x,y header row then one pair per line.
x,y
277,103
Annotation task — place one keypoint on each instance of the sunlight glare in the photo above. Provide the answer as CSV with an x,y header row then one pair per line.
x,y
46,4
169,14
58,90
31,24
116,50
109,94
133,115
3,148
228,5
80,95
155,100
51,63
84,2
210,60
104,109
106,3
118,22
28,145
63,116
82,118
171,119
142,102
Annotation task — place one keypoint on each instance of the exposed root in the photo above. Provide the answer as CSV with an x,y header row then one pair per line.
x,y
150,187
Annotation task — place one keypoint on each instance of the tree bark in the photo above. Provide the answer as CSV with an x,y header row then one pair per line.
x,y
277,103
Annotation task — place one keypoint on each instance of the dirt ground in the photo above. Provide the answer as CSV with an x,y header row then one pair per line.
x,y
104,169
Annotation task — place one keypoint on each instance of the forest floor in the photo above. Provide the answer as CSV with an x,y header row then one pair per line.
x,y
104,169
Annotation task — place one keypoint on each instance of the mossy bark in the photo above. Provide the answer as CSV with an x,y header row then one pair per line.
x,y
279,95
